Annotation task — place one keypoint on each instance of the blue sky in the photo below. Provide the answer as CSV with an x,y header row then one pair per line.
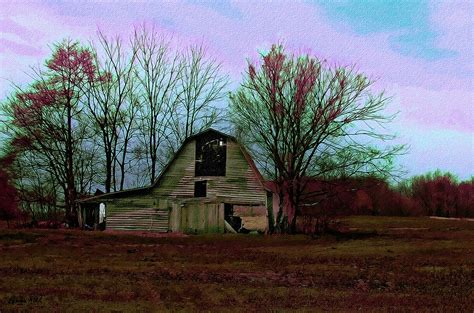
x,y
407,21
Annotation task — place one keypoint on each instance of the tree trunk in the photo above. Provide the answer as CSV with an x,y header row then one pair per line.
x,y
270,215
71,211
279,227
291,207
153,164
108,169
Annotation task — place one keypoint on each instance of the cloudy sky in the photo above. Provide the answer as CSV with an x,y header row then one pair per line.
x,y
420,52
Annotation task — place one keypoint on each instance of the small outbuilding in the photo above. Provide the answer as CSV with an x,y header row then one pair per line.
x,y
210,185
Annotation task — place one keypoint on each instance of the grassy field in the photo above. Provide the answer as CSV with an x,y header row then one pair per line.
x,y
381,265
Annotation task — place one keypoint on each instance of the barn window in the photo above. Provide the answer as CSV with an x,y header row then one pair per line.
x,y
211,155
200,188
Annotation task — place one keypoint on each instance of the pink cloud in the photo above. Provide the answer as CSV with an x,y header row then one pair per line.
x,y
454,21
7,26
441,109
18,48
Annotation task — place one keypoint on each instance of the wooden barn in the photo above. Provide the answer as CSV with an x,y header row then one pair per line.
x,y
210,185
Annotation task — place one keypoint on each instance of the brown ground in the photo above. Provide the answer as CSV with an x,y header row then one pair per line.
x,y
382,265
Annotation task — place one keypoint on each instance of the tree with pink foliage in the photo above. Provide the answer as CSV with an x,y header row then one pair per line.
x,y
46,118
300,117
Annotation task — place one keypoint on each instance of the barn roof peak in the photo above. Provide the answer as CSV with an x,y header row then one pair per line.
x,y
210,129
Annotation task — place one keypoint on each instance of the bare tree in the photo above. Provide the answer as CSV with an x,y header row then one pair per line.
x,y
107,101
202,84
301,117
177,95
38,190
158,72
128,129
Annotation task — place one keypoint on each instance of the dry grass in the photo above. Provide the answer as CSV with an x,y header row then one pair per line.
x,y
382,265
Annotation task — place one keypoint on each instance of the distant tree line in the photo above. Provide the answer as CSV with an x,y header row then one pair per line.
x,y
433,194
440,194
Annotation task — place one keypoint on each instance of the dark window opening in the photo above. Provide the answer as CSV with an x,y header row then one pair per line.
x,y
234,221
200,188
211,155
228,209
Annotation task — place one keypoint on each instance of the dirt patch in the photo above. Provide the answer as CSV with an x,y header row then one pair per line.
x,y
405,270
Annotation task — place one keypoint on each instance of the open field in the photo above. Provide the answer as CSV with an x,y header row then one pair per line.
x,y
382,264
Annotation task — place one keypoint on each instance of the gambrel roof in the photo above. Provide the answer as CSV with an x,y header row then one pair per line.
x,y
175,156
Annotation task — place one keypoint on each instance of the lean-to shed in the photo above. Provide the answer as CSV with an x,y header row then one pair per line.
x,y
209,185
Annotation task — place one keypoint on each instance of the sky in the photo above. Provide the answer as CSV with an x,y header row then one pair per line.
x,y
419,52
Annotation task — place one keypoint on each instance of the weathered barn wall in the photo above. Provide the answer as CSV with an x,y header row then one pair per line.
x,y
137,201
128,215
174,194
240,185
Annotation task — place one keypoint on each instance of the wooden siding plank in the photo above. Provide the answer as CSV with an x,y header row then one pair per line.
x,y
133,218
240,183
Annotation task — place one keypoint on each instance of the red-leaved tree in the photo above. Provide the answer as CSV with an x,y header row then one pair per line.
x,y
465,203
440,194
301,117
47,117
